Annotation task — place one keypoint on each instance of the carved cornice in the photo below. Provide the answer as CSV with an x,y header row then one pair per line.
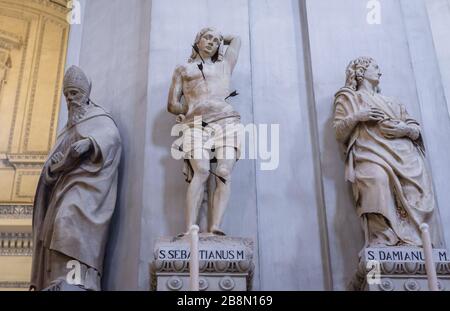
x,y
16,244
16,211
27,161
8,285
178,267
58,5
63,3
405,268
10,41
396,270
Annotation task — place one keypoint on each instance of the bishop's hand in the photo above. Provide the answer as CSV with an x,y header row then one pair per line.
x,y
57,157
80,147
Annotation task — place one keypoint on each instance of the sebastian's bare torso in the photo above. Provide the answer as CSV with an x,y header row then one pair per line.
x,y
205,96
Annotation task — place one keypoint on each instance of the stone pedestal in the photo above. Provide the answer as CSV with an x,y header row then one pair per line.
x,y
226,264
399,269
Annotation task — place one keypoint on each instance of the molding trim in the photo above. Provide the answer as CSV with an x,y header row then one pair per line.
x,y
16,211
19,177
14,285
26,161
9,40
27,20
59,6
16,244
57,89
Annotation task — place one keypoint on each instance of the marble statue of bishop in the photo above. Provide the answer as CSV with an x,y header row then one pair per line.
x,y
76,194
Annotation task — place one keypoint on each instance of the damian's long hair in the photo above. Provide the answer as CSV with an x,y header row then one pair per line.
x,y
218,57
355,72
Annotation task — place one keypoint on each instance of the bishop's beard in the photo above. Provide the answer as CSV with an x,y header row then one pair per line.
x,y
76,113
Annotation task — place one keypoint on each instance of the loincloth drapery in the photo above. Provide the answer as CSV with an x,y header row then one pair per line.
x,y
211,140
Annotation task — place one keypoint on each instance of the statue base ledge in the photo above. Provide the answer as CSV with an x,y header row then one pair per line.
x,y
226,263
399,269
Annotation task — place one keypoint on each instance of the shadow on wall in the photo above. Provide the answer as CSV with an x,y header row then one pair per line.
x,y
127,204
174,182
113,237
345,226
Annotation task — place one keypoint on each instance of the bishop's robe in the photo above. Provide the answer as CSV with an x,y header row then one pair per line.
x,y
73,210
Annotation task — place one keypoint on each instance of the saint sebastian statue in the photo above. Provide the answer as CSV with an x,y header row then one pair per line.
x,y
199,92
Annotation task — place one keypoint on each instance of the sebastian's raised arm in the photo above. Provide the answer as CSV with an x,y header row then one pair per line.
x,y
174,104
232,53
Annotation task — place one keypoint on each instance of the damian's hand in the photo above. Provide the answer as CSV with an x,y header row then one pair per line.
x,y
80,147
394,129
370,114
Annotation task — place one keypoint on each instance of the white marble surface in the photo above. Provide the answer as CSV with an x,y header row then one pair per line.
x,y
114,53
432,102
163,212
289,228
439,16
72,57
301,215
339,32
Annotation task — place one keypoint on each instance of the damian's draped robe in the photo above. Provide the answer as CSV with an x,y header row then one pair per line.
x,y
72,211
389,176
